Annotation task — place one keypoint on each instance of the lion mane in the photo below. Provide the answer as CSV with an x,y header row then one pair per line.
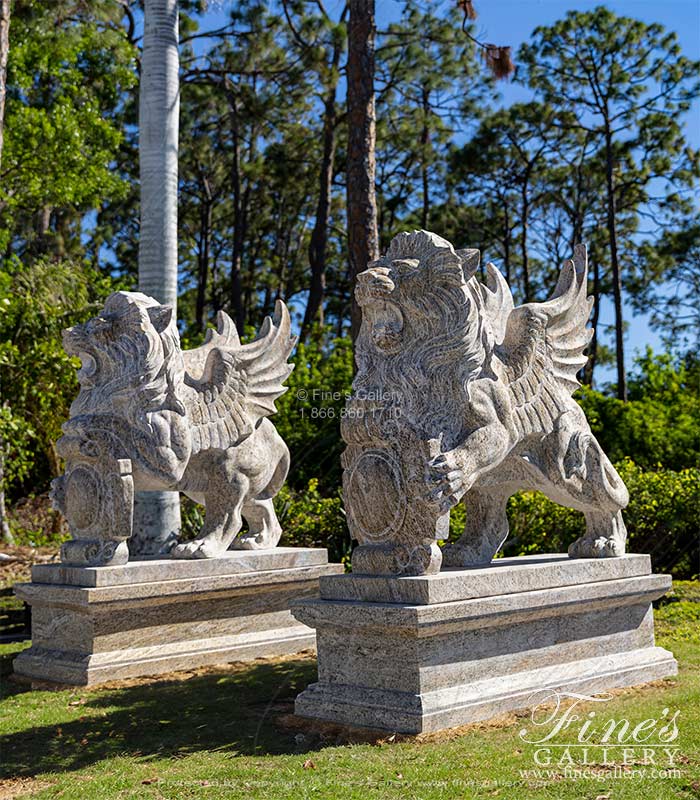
x,y
422,292
130,380
133,346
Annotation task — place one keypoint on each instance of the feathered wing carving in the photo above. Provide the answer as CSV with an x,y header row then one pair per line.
x,y
542,346
233,385
497,300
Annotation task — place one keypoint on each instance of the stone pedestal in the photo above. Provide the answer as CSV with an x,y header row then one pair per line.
x,y
415,654
97,624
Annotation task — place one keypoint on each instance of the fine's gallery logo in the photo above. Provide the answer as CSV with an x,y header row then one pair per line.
x,y
566,732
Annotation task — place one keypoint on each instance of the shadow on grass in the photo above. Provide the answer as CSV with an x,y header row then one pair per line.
x,y
233,712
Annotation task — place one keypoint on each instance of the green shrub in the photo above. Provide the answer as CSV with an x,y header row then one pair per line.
x,y
34,523
662,517
310,520
660,425
310,411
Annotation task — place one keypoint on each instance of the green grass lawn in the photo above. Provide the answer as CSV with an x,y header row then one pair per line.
x,y
222,733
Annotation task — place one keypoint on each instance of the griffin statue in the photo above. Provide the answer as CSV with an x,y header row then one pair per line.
x,y
462,396
150,416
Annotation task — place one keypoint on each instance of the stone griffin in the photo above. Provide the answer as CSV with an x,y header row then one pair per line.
x,y
150,416
462,396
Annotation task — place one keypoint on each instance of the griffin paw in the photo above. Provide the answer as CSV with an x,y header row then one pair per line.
x,y
447,483
250,541
601,547
197,548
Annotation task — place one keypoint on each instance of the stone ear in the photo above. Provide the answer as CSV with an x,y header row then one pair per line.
x,y
160,317
470,259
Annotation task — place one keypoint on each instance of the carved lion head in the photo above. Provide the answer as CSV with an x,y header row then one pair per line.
x,y
416,291
417,299
125,349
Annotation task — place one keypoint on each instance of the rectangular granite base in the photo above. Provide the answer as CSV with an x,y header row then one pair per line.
x,y
421,654
96,624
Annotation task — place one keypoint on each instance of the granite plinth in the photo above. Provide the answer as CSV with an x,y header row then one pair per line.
x,y
96,624
420,654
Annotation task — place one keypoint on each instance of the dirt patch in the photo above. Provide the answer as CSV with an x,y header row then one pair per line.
x,y
20,787
16,561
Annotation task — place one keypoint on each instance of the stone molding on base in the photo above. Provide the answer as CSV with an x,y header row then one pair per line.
x,y
91,625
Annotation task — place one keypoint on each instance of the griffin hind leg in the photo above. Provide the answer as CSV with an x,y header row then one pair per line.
x,y
581,476
605,537
606,534
264,529
222,522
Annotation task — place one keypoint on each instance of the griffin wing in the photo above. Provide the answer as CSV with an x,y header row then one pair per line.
x,y
497,302
234,385
542,347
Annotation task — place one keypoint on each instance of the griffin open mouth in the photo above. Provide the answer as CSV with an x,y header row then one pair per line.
x,y
386,324
88,365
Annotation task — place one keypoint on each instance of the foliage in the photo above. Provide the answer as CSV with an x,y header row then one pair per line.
x,y
34,523
667,284
310,412
661,520
660,425
65,87
430,88
37,376
626,84
311,520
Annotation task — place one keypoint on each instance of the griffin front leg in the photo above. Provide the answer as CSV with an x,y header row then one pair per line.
x,y
452,474
485,530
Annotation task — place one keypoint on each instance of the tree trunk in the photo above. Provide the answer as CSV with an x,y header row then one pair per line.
x,y
506,241
237,307
424,141
615,266
157,514
589,367
525,221
203,256
363,240
4,51
319,235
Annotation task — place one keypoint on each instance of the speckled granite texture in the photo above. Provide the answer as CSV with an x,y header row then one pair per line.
x,y
96,624
418,654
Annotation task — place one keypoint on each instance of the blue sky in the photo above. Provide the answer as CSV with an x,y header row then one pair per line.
x,y
510,22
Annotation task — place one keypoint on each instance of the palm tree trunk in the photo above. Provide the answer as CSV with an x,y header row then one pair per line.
x,y
239,224
157,514
363,238
523,240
